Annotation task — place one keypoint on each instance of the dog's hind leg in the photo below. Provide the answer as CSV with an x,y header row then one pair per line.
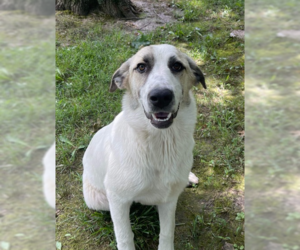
x,y
94,198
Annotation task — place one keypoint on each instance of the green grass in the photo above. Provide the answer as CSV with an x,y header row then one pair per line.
x,y
88,52
272,179
27,129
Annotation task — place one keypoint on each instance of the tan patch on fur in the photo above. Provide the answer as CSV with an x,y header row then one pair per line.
x,y
136,79
187,79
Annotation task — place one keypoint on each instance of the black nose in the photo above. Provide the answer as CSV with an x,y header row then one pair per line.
x,y
160,98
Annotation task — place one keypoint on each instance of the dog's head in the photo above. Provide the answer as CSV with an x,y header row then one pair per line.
x,y
159,77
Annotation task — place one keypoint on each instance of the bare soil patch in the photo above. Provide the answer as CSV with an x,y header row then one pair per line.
x,y
154,15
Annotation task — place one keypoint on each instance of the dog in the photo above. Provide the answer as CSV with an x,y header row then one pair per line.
x,y
145,155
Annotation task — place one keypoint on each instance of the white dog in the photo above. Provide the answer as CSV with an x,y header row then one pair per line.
x,y
145,155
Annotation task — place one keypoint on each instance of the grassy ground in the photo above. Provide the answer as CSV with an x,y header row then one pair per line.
x,y
272,122
27,124
88,51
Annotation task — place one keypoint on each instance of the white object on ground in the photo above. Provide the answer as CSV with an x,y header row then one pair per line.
x,y
193,179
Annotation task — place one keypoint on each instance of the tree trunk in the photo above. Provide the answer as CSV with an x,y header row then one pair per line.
x,y
119,8
79,7
114,8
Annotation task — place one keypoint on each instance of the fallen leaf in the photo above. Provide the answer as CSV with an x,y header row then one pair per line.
x,y
238,33
241,133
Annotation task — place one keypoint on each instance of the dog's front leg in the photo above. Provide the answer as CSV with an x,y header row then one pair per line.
x,y
167,225
120,216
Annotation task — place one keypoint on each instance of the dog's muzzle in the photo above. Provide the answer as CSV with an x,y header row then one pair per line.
x,y
161,100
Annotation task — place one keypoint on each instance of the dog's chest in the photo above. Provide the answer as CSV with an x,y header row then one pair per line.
x,y
159,186
150,167
165,152
164,172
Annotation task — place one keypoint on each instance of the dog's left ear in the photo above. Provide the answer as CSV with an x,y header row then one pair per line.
x,y
120,77
197,72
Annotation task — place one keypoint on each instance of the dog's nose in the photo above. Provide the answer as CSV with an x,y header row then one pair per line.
x,y
160,98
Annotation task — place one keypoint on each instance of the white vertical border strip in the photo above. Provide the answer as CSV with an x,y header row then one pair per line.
x,y
28,127
272,150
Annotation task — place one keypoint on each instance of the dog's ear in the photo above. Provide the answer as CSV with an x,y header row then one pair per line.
x,y
197,72
120,77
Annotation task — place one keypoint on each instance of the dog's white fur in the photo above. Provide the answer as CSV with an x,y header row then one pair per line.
x,y
130,160
49,176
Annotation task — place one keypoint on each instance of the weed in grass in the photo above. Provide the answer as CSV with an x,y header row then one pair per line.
x,y
142,40
240,216
236,247
198,221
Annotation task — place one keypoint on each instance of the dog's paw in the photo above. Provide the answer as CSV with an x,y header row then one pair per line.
x,y
193,180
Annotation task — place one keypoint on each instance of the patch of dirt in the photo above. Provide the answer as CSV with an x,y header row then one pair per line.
x,y
155,14
238,200
290,200
189,204
228,246
273,246
293,34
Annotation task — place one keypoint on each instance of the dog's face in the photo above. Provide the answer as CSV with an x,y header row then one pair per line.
x,y
159,77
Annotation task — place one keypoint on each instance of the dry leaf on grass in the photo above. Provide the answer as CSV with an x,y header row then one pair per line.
x,y
241,133
238,33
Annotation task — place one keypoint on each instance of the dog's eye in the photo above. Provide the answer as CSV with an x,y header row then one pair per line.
x,y
177,67
141,67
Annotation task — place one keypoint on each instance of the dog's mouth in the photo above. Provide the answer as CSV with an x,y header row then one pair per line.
x,y
162,119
